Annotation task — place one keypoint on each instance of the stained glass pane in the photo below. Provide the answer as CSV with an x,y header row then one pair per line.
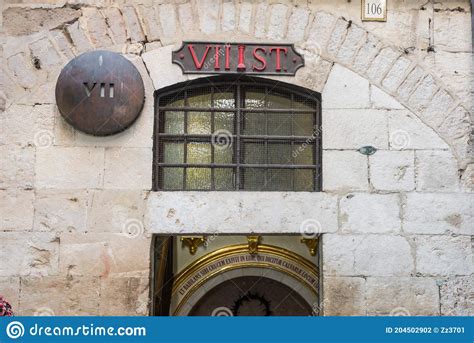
x,y
198,178
199,153
172,178
224,179
173,152
174,122
199,123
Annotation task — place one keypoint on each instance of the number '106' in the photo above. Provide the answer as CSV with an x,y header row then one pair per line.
x,y
374,8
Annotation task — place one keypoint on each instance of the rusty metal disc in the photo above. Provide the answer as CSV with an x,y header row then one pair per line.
x,y
100,93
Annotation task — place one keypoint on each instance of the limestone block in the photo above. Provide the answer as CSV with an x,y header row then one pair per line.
x,y
321,29
456,125
228,16
345,89
391,296
71,167
35,254
22,70
168,20
208,11
344,171
314,77
369,255
44,51
60,296
456,296
354,38
344,296
64,46
438,108
354,128
423,93
28,125
261,11
128,168
134,29
392,170
106,254
162,72
438,213
337,36
16,210
10,290
407,86
97,28
151,24
366,53
61,210
407,132
444,255
241,212
382,100
382,63
297,23
113,210
185,13
370,213
436,171
397,72
245,17
78,36
124,296
276,25
116,24
17,166
18,21
452,31
383,256
453,68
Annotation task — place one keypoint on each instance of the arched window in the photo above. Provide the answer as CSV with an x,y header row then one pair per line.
x,y
237,134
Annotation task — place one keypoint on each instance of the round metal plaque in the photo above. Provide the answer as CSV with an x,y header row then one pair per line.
x,y
100,93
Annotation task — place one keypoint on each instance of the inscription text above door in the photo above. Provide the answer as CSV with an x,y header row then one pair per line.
x,y
231,58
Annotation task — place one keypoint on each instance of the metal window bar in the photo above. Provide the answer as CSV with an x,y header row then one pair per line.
x,y
239,89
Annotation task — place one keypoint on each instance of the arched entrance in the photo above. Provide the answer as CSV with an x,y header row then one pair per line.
x,y
251,296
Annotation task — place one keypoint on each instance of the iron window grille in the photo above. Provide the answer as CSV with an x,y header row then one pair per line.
x,y
256,122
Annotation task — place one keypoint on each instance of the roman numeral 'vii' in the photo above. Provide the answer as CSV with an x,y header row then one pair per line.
x,y
89,88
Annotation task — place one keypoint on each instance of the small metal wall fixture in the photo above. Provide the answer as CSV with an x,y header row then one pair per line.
x,y
367,150
193,242
253,242
311,244
100,93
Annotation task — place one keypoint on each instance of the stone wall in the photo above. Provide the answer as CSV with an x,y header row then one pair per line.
x,y
76,211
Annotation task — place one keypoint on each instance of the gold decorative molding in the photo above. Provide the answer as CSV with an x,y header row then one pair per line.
x,y
238,250
253,242
312,244
192,242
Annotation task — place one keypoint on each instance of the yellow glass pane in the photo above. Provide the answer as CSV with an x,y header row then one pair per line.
x,y
174,122
199,123
198,178
199,153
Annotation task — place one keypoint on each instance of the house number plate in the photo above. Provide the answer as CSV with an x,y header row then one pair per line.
x,y
374,10
100,93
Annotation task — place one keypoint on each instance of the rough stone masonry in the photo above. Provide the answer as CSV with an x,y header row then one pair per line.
x,y
397,225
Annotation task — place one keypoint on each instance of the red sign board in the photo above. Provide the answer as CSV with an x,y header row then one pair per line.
x,y
231,58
